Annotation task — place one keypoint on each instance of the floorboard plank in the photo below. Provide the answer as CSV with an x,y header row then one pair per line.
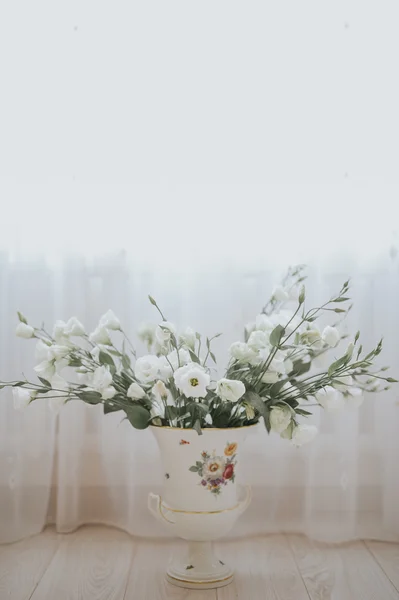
x,y
345,572
91,564
147,575
387,556
22,564
264,570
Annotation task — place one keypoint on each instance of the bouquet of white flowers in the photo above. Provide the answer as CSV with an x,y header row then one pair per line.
x,y
269,375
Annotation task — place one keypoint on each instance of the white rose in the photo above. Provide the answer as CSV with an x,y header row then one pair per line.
x,y
164,331
355,397
280,418
188,338
241,352
264,323
302,434
110,321
230,390
74,327
146,368
45,369
192,380
330,399
42,351
279,293
330,336
58,393
100,336
258,340
135,392
24,331
341,383
146,333
22,397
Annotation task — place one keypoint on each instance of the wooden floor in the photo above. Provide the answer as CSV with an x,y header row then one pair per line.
x,y
106,564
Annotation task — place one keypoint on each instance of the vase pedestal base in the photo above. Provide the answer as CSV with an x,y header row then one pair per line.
x,y
199,568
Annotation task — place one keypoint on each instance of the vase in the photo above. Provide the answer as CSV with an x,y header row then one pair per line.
x,y
202,498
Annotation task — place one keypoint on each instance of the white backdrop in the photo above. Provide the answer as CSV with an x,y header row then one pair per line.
x,y
192,151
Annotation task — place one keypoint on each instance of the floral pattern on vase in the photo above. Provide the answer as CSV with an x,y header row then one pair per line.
x,y
216,471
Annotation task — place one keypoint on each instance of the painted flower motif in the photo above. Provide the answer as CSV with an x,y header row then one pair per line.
x,y
230,449
216,471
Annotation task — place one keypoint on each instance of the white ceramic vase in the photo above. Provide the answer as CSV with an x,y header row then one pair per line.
x,y
201,499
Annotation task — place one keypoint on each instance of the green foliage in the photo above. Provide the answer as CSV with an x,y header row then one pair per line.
x,y
138,416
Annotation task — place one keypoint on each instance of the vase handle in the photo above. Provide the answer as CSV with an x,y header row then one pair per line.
x,y
155,507
243,505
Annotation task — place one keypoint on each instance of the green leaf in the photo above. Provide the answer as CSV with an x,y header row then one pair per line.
x,y
22,318
339,310
193,469
126,364
198,335
256,401
301,298
276,387
21,383
337,365
108,408
391,380
303,412
299,367
44,382
89,397
197,427
74,362
138,416
208,343
266,419
106,359
357,336
213,357
151,299
194,357
276,335
341,299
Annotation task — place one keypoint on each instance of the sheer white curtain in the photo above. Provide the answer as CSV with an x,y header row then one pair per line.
x,y
192,152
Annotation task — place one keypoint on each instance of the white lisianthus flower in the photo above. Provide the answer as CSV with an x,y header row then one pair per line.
x,y
59,332
42,351
230,390
283,317
59,390
74,327
147,368
188,338
172,361
241,352
302,434
330,336
294,292
270,377
22,397
288,365
135,392
146,333
164,331
355,397
45,369
162,394
100,336
57,352
264,323
279,293
277,364
110,321
100,381
258,340
312,337
24,331
342,383
330,399
280,418
192,380
249,328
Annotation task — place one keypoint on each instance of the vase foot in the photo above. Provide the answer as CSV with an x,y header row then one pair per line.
x,y
199,568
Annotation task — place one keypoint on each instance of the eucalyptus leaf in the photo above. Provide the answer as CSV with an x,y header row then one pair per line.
x,y
276,335
89,397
